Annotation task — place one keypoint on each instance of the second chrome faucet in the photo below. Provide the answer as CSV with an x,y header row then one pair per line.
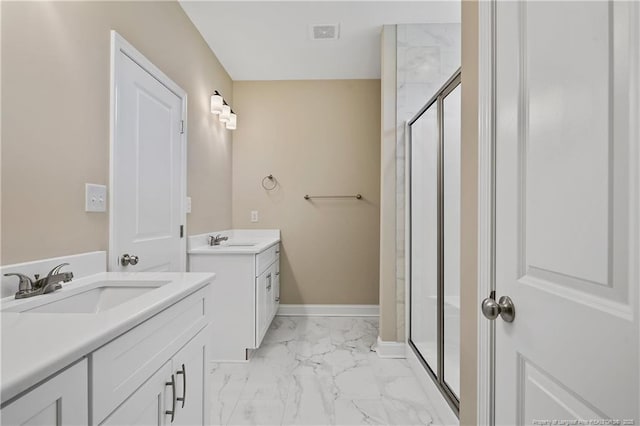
x,y
215,241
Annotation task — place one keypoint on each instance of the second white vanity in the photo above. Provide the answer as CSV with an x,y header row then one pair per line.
x,y
246,292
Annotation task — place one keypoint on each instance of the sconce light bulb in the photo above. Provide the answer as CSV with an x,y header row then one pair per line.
x,y
233,119
225,114
216,104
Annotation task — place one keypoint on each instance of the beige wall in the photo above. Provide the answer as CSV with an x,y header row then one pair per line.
x,y
55,118
469,218
316,137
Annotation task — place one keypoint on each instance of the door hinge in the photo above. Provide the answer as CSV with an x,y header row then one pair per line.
x,y
181,127
181,231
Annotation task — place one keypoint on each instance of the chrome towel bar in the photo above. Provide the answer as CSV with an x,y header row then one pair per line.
x,y
357,196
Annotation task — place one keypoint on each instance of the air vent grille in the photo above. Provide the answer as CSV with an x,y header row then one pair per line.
x,y
325,32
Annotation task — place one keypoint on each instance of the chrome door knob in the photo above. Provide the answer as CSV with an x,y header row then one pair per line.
x,y
503,307
127,259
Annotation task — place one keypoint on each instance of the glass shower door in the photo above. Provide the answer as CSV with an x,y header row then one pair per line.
x,y
434,248
451,108
424,226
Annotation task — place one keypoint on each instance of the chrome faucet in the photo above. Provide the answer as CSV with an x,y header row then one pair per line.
x,y
215,241
28,287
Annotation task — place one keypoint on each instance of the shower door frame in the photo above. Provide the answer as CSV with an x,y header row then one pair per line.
x,y
438,376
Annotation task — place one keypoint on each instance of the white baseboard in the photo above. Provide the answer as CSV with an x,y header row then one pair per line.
x,y
391,349
329,310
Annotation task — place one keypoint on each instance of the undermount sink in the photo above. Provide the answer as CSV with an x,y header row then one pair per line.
x,y
232,243
99,297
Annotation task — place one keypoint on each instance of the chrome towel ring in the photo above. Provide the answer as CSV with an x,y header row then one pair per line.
x,y
269,182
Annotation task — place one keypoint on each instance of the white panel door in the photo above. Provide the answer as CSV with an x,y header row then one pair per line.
x,y
147,171
567,217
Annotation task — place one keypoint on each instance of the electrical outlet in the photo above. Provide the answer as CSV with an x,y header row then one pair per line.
x,y
188,207
95,198
254,215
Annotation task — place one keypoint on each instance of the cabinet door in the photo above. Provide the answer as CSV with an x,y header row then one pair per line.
x,y
189,369
264,303
148,405
276,285
272,289
61,400
276,293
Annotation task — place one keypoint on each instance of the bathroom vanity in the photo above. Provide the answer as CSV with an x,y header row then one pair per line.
x,y
109,349
246,293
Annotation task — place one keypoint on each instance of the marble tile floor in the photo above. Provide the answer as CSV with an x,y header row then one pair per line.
x,y
322,371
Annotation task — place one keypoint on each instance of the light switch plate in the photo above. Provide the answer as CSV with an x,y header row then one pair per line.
x,y
188,207
254,216
95,197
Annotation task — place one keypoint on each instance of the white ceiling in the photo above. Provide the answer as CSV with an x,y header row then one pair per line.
x,y
269,40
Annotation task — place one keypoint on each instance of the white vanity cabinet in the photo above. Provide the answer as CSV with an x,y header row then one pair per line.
x,y
154,373
175,394
125,369
245,296
61,400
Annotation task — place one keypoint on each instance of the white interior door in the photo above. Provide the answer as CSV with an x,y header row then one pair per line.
x,y
567,217
147,222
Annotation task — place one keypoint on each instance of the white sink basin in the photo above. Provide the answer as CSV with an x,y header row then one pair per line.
x,y
98,297
232,243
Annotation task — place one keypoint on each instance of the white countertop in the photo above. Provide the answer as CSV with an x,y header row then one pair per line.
x,y
36,345
241,241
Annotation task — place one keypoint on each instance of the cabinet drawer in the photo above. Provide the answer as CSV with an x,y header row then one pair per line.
x,y
266,258
122,365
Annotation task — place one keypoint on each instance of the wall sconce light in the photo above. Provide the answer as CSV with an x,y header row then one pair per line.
x,y
225,114
216,103
233,119
223,110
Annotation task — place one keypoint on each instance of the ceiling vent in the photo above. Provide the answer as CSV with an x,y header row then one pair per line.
x,y
325,32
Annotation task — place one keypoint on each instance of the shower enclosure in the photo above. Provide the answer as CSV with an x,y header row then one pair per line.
x,y
434,237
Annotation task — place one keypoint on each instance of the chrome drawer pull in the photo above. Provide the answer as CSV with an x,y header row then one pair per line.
x,y
172,383
184,385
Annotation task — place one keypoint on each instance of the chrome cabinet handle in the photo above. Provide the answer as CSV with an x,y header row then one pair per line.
x,y
172,412
183,373
269,279
503,307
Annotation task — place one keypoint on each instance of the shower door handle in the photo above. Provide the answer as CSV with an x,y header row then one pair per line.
x,y
503,307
